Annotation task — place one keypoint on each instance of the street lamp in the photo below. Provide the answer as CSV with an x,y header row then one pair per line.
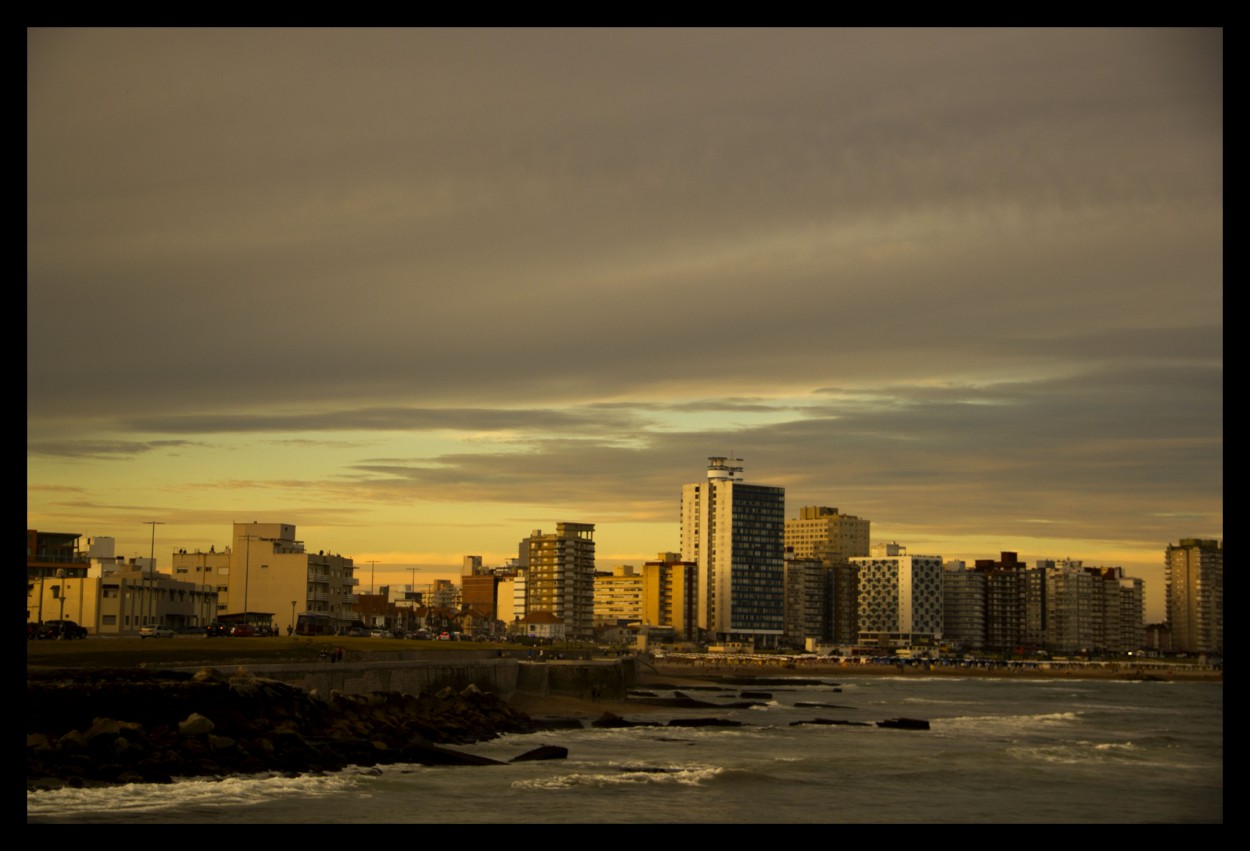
x,y
292,627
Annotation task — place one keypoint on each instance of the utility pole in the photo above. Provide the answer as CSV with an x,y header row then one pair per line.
x,y
152,567
247,569
412,593
371,618
204,585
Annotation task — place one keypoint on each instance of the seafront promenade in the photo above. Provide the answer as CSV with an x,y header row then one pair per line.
x,y
713,664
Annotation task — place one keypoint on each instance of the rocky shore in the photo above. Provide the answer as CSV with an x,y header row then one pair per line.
x,y
93,727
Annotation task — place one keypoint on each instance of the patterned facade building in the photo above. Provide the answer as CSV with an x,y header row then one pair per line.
x,y
900,599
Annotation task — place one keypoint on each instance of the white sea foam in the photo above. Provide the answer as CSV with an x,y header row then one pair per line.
x,y
205,793
624,776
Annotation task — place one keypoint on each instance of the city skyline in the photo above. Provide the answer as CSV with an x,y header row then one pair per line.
x,y
419,292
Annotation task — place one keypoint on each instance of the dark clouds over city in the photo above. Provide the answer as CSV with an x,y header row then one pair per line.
x,y
965,283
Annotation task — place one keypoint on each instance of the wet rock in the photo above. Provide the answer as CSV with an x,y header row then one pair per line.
x,y
92,727
540,753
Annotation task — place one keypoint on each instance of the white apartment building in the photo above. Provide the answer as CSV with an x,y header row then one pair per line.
x,y
900,598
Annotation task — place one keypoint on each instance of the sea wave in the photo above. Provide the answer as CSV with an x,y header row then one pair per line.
x,y
624,775
187,795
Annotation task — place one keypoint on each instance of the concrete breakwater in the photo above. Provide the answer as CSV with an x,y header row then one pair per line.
x,y
504,677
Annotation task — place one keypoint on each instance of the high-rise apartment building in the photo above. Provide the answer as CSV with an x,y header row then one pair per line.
x,y
807,589
1194,578
560,576
843,602
900,598
822,533
1072,597
963,605
1007,592
825,534
735,533
619,596
670,594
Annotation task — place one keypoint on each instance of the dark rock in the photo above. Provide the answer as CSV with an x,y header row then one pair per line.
x,y
609,720
904,724
553,723
93,727
687,702
704,722
544,752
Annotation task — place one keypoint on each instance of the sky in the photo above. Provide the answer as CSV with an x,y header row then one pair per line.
x,y
420,292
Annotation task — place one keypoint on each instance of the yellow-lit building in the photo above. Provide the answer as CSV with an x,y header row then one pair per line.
x,y
618,596
823,533
104,593
266,576
669,596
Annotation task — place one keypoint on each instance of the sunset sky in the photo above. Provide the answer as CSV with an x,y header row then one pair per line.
x,y
422,291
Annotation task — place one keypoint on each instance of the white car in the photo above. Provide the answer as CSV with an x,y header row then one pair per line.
x,y
155,632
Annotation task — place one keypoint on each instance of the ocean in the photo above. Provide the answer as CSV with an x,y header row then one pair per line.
x,y
998,751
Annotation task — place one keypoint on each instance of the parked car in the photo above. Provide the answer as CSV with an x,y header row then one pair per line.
x,y
61,629
155,632
242,630
357,632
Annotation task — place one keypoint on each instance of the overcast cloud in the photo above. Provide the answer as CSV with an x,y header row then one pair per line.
x,y
960,282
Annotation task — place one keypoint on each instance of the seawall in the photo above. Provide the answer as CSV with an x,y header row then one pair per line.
x,y
505,677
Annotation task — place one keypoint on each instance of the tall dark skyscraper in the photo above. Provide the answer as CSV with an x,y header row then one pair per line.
x,y
735,533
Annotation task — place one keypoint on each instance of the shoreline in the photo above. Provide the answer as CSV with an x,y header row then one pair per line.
x,y
705,666
664,673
